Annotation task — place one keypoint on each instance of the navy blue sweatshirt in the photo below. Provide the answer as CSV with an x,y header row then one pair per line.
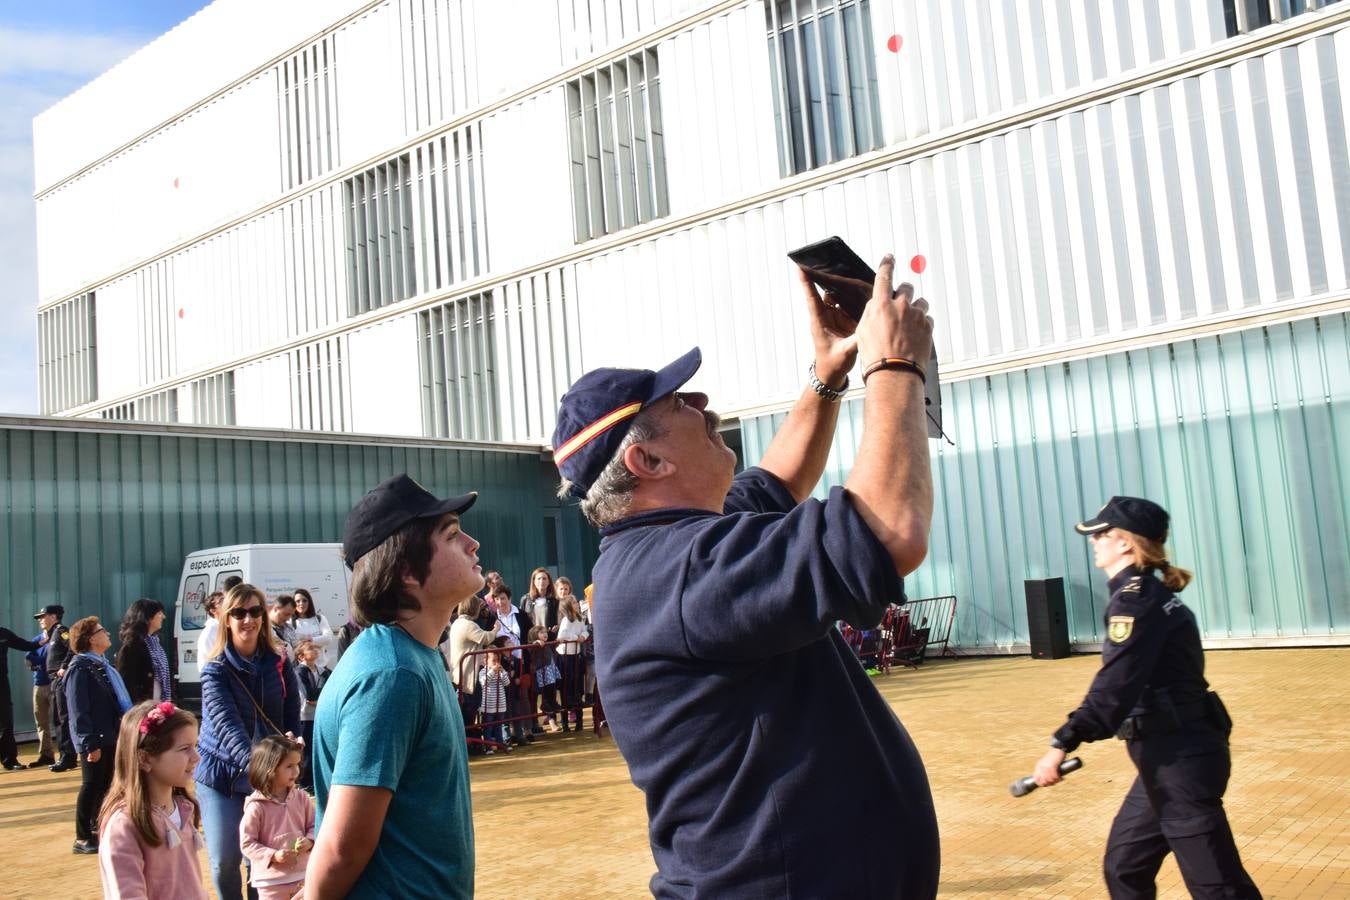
x,y
771,765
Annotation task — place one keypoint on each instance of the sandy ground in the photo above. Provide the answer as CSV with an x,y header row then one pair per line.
x,y
561,819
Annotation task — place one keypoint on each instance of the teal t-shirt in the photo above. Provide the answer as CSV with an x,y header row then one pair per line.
x,y
388,718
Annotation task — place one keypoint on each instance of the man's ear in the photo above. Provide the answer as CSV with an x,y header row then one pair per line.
x,y
643,463
410,583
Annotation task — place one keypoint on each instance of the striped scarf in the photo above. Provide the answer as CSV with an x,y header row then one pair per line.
x,y
160,660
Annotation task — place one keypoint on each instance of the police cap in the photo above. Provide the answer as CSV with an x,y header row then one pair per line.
x,y
51,609
1135,514
596,412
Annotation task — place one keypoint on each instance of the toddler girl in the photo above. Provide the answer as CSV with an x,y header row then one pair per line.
x,y
277,831
496,682
149,841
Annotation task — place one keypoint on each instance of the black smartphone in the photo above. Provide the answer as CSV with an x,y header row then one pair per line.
x,y
847,284
839,272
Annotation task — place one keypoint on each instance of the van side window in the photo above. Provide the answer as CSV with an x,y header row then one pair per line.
x,y
194,601
221,576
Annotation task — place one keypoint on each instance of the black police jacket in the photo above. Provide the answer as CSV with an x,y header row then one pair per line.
x,y
1151,657
58,648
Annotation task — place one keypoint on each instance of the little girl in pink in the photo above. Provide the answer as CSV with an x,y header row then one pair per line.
x,y
277,831
149,841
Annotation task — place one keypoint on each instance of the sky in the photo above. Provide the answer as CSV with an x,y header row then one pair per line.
x,y
49,49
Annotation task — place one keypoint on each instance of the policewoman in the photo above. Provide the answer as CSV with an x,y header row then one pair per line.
x,y
1151,692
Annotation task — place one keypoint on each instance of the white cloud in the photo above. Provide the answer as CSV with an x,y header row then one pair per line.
x,y
63,53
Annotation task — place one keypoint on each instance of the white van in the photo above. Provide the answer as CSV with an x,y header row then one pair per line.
x,y
275,569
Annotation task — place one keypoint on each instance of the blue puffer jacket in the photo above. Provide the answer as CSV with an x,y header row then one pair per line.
x,y
230,721
95,715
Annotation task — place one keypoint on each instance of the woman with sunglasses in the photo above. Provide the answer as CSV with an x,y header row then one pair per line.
x,y
96,697
1151,692
249,691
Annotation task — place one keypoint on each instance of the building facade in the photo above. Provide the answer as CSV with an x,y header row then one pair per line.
x,y
428,217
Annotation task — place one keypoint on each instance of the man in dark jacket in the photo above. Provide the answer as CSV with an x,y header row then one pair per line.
x,y
9,750
58,650
742,714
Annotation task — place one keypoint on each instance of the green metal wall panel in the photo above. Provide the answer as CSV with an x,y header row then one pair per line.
x,y
93,519
1244,437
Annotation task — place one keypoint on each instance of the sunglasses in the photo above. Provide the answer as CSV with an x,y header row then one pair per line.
x,y
239,614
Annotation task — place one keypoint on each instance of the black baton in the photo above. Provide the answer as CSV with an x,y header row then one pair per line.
x,y
1023,786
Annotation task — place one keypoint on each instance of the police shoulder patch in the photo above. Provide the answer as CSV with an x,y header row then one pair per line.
x,y
65,635
1119,628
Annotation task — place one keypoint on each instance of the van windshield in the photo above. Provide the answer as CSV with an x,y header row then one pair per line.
x,y
194,602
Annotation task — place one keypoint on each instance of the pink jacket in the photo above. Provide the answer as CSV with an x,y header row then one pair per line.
x,y
132,870
266,823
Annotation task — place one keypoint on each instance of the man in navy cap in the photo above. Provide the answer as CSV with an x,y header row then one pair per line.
x,y
752,729
390,761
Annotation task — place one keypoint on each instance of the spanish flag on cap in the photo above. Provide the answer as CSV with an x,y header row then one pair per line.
x,y
596,412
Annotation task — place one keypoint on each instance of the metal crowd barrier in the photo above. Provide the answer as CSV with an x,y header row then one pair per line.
x,y
524,700
909,633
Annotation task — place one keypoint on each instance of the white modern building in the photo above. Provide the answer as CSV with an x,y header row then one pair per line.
x,y
427,217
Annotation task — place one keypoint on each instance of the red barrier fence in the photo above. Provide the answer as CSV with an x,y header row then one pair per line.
x,y
534,694
908,633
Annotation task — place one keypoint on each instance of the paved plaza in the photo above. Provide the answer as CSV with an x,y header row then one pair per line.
x,y
561,819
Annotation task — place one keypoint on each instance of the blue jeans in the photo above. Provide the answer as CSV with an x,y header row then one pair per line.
x,y
221,815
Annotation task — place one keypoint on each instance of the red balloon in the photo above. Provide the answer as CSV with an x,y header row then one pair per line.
x,y
180,312
175,182
918,263
893,43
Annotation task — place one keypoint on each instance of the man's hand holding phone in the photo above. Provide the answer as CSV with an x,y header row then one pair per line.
x,y
894,325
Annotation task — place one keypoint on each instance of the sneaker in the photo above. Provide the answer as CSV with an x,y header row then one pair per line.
x,y
84,847
488,751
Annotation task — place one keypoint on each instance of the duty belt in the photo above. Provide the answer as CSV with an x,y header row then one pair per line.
x,y
1163,721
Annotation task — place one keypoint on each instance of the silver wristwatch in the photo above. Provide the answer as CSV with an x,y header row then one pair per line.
x,y
824,389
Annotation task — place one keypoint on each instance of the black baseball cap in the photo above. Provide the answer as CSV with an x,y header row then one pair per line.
x,y
51,609
597,411
389,506
1143,517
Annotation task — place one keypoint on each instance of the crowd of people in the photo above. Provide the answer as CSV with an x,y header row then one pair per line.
x,y
522,670
721,593
519,671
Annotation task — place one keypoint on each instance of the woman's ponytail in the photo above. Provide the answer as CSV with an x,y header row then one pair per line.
x,y
1174,577
1149,554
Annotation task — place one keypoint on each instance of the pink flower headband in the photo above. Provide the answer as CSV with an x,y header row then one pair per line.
x,y
155,717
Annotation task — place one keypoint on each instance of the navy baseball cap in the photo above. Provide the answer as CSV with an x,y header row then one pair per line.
x,y
389,506
51,609
1143,517
598,409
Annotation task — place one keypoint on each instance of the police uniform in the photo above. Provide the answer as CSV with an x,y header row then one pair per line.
x,y
1151,692
58,653
754,733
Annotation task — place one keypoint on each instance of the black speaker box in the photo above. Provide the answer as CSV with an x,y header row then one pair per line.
x,y
1046,622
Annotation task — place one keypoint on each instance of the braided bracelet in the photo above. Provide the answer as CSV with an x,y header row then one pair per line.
x,y
895,362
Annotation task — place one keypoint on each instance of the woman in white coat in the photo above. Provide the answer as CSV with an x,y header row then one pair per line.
x,y
312,625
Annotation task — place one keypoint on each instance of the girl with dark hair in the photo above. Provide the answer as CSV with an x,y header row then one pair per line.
x,y
141,659
541,604
312,625
149,822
